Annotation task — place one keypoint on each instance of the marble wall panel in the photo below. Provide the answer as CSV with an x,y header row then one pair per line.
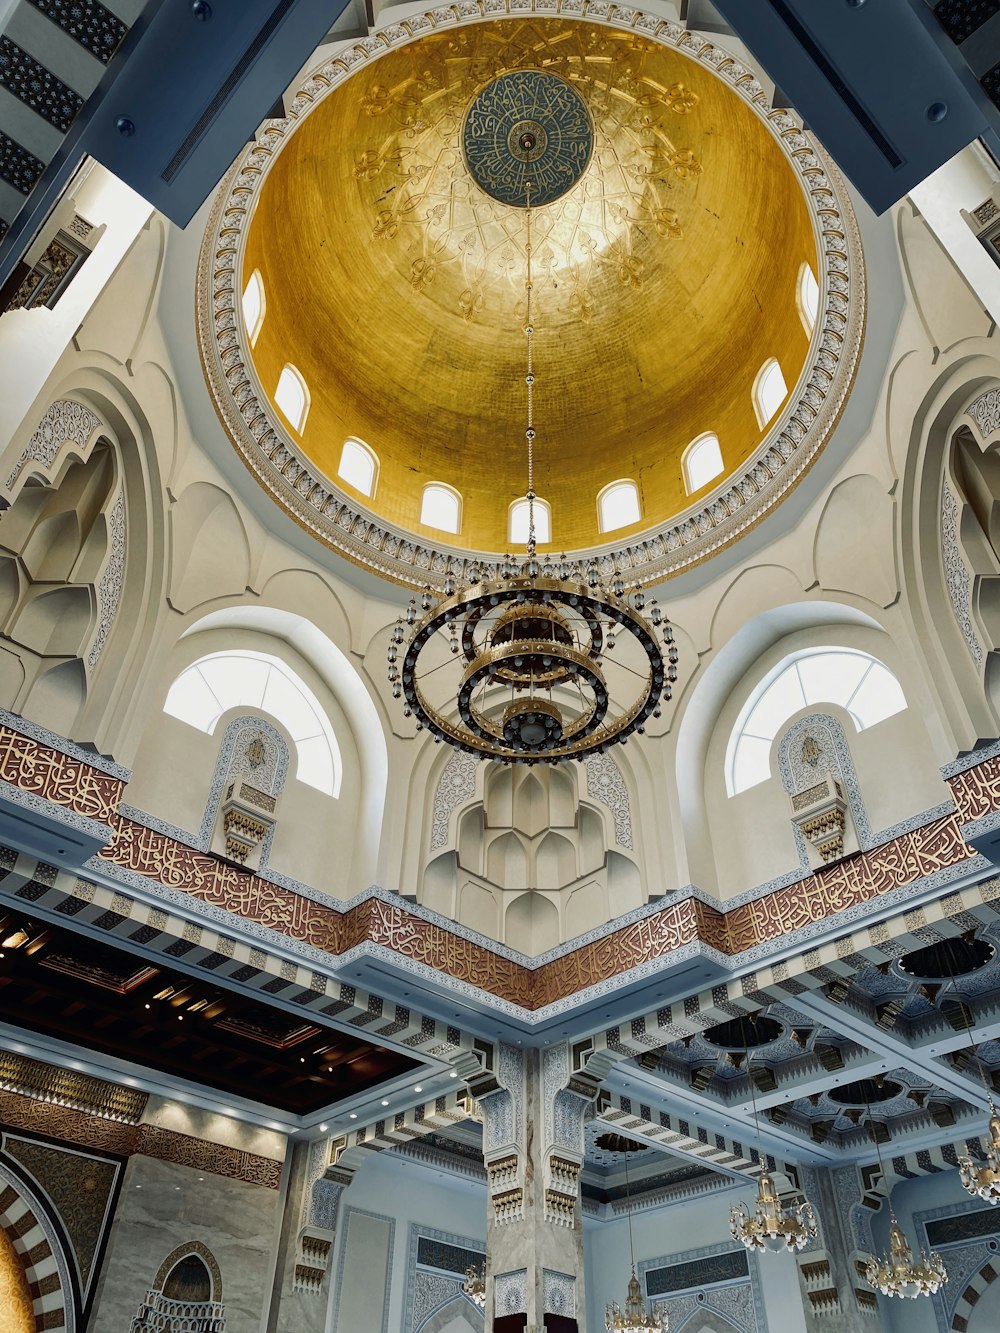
x,y
163,1205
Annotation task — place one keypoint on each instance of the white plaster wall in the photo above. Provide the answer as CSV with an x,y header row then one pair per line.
x,y
675,1229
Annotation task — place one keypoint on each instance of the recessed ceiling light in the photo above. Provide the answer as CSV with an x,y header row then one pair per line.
x,y
385,1101
417,1088
323,1128
354,1115
453,1074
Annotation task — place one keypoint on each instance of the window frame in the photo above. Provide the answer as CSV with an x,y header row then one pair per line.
x,y
353,442
295,375
772,363
808,313
785,667
522,503
442,488
697,444
606,493
254,332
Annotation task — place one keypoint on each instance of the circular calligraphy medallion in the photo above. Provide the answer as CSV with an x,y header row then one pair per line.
x,y
527,138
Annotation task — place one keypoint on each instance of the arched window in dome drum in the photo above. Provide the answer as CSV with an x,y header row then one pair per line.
x,y
769,391
358,466
517,522
291,397
857,682
254,306
618,506
702,462
807,298
441,507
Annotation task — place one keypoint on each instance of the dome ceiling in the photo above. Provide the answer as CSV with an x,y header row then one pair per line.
x,y
664,277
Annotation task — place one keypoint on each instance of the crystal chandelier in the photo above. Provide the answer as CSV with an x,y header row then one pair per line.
x,y
770,1226
633,1317
532,659
474,1285
982,1179
898,1273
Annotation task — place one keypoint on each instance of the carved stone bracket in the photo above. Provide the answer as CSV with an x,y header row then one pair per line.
x,y
821,814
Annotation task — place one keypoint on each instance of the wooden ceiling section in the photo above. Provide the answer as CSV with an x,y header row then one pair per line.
x,y
70,987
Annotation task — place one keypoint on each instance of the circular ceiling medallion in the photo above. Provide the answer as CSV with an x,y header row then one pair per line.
x,y
665,275
527,138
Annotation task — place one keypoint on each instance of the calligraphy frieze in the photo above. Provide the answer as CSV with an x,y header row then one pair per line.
x,y
94,1131
851,883
71,783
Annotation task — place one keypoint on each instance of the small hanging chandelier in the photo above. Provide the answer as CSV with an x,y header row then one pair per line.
x,y
474,1285
770,1226
633,1317
982,1179
517,661
898,1273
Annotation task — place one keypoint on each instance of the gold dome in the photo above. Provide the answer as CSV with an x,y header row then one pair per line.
x,y
663,280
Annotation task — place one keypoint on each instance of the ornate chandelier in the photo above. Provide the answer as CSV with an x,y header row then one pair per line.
x,y
770,1226
474,1285
532,659
899,1274
982,1179
633,1317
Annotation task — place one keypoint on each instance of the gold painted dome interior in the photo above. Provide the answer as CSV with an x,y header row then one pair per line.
x,y
386,288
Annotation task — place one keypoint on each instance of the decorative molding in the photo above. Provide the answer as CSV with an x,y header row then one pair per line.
x,y
92,1131
88,22
956,573
322,509
380,1217
65,423
65,1087
112,581
456,785
985,412
430,1291
181,1252
739,1301
18,167
26,1221
606,784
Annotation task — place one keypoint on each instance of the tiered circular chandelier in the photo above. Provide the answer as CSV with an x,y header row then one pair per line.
x,y
523,662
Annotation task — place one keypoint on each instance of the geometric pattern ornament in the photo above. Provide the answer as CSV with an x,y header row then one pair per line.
x,y
527,138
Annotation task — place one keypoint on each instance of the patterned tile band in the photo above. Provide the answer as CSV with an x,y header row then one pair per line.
x,y
18,167
936,847
96,29
146,1140
37,87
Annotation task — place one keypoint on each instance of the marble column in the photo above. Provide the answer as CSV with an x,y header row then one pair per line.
x,y
835,1296
533,1143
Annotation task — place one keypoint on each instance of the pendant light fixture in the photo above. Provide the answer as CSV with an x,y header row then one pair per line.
x,y
980,1179
899,1273
770,1226
474,1285
531,660
633,1316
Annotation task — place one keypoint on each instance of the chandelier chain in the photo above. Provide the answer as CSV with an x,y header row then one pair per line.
x,y
529,379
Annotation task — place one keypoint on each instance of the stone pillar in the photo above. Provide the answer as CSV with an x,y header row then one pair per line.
x,y
836,1298
533,1145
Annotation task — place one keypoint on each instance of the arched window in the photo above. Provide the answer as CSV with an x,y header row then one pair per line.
x,y
441,507
292,398
254,305
769,391
358,466
702,462
618,506
517,522
861,684
807,298
221,681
